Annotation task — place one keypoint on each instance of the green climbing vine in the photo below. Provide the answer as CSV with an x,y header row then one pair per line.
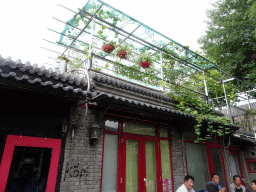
x,y
191,103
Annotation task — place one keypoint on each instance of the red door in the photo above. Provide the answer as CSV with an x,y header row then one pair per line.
x,y
142,164
30,159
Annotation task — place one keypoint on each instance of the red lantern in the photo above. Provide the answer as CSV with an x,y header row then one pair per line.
x,y
145,64
107,48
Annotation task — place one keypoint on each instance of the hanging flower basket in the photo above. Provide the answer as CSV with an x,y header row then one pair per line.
x,y
107,48
124,51
145,59
145,64
122,54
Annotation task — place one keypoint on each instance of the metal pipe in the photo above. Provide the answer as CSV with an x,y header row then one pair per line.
x,y
125,39
205,86
89,21
249,104
90,46
50,50
83,41
102,25
162,71
161,48
161,62
229,111
77,36
76,28
68,36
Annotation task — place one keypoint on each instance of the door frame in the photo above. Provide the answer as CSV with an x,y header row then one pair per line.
x,y
26,141
142,160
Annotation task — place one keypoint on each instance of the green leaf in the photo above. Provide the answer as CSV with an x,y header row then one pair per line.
x,y
100,32
106,66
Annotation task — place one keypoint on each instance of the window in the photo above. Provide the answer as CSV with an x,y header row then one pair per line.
x,y
111,124
251,165
109,177
139,128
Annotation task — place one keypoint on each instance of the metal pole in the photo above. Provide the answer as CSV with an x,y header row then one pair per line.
x,y
89,21
248,97
161,62
90,46
162,71
124,39
229,111
205,87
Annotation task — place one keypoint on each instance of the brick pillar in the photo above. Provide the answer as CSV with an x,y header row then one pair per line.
x,y
82,162
178,158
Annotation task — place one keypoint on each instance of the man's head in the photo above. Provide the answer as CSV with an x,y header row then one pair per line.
x,y
215,178
189,182
237,180
253,185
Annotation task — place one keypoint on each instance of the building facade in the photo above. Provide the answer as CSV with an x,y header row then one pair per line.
x,y
142,144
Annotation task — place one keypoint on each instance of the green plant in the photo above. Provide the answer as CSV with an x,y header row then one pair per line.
x,y
189,102
113,43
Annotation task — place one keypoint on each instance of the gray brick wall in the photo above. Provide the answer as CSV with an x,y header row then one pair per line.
x,y
178,156
82,162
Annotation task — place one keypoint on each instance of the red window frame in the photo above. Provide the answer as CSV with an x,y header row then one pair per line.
x,y
209,146
26,141
248,161
122,151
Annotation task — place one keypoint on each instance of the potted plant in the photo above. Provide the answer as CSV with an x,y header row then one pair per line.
x,y
145,59
109,46
63,57
124,51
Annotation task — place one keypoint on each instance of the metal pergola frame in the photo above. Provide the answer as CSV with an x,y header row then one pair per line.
x,y
93,19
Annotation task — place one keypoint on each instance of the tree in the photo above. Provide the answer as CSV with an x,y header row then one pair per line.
x,y
230,39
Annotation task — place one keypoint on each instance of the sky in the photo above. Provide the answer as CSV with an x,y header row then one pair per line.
x,y
24,23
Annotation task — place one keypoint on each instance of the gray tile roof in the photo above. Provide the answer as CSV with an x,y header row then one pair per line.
x,y
32,74
106,99
129,86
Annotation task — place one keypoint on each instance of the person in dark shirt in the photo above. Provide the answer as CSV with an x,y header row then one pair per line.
x,y
214,186
236,185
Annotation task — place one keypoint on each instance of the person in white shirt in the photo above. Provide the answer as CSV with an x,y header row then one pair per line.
x,y
187,185
236,185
